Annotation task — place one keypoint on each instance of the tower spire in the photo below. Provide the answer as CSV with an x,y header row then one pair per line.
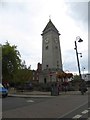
x,y
49,17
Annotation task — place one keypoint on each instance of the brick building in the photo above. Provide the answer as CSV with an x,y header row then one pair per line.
x,y
35,73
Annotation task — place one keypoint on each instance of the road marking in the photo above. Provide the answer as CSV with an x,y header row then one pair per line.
x,y
72,110
30,101
77,116
88,119
85,111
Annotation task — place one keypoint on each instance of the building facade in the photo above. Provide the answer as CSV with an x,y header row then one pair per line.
x,y
36,73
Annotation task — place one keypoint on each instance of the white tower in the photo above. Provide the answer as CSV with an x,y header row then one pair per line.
x,y
51,51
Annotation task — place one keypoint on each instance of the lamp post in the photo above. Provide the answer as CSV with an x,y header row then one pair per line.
x,y
79,40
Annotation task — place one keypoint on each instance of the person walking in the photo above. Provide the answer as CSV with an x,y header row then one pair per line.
x,y
83,87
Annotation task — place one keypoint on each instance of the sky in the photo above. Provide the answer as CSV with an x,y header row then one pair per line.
x,y
22,23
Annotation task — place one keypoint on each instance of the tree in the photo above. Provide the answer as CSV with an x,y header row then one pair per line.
x,y
11,61
63,75
23,76
69,75
76,78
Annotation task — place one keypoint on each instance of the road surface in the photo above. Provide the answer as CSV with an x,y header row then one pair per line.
x,y
63,106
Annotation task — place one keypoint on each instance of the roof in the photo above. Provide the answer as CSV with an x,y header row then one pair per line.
x,y
50,26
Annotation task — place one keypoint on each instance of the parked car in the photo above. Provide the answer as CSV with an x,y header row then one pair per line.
x,y
3,91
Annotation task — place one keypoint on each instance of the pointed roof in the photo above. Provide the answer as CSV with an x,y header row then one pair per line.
x,y
50,26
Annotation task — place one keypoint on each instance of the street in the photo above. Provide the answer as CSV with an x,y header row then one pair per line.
x,y
62,106
10,103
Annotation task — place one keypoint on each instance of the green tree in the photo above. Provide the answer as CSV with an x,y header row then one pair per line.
x,y
23,76
76,78
11,61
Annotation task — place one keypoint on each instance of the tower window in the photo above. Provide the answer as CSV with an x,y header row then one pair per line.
x,y
46,47
56,47
57,63
46,66
45,81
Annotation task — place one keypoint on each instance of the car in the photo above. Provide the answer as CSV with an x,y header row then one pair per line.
x,y
3,91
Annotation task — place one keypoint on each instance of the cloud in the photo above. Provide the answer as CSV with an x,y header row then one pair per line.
x,y
79,12
70,61
22,22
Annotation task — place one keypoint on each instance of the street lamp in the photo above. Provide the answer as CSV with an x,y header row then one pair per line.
x,y
79,40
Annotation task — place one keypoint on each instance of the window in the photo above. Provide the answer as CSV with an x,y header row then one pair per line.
x,y
57,63
37,78
46,47
45,81
56,47
46,66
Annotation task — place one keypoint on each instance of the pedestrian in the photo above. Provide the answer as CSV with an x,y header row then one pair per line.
x,y
83,87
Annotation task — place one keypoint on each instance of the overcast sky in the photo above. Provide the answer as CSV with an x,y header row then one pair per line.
x,y
22,22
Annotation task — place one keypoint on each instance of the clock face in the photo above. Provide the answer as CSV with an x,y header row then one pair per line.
x,y
56,41
46,40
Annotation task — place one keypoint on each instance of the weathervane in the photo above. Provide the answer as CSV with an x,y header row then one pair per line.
x,y
49,17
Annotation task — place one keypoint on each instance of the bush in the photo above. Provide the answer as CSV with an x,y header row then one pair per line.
x,y
24,87
42,87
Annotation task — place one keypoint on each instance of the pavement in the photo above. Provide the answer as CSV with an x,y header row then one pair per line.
x,y
14,93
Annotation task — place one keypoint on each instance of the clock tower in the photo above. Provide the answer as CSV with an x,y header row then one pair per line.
x,y
51,52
